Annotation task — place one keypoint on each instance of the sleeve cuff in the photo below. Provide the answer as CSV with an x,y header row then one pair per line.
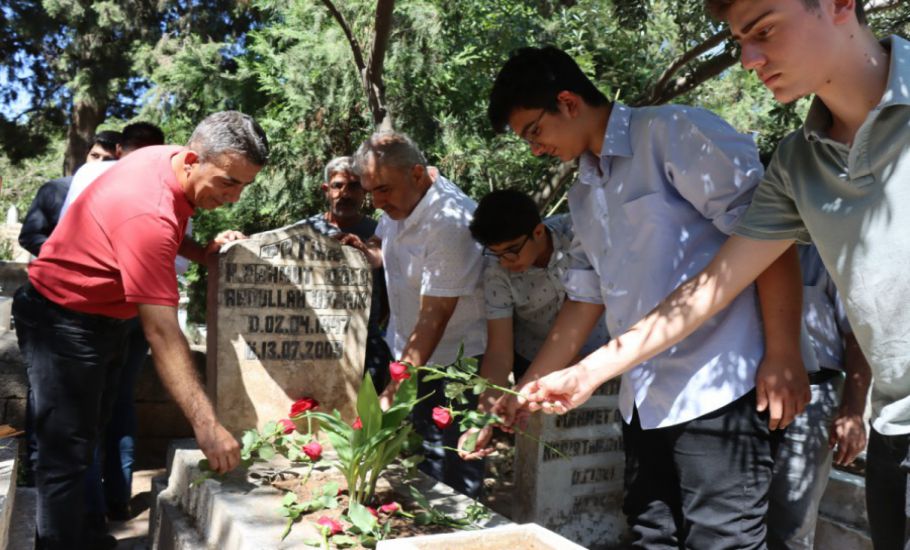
x,y
583,285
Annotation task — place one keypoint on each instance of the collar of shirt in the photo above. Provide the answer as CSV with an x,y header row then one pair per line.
x,y
433,194
897,91
617,143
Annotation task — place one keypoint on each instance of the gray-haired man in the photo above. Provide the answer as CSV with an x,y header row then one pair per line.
x,y
71,314
433,273
345,199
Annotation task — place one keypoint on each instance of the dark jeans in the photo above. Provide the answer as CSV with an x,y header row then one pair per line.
x,y
887,488
702,484
73,362
377,360
110,478
444,464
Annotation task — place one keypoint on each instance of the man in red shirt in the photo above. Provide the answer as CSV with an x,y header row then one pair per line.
x,y
113,257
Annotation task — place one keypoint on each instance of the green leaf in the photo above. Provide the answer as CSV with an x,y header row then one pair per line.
x,y
270,427
330,489
344,541
423,518
289,499
479,388
266,452
362,518
368,407
248,439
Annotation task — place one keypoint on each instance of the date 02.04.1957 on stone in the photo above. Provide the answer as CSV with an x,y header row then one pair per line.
x,y
293,350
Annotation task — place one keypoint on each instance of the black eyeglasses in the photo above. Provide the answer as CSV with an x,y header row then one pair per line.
x,y
511,254
532,131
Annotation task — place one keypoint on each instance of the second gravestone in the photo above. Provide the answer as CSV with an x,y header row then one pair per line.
x,y
288,314
574,484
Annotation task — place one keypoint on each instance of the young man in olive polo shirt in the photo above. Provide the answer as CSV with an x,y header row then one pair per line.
x,y
841,182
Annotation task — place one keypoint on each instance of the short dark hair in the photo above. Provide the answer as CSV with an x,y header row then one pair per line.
x,y
108,140
230,132
504,215
718,8
532,78
141,134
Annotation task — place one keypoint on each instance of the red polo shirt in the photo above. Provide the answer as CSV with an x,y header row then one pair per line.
x,y
115,247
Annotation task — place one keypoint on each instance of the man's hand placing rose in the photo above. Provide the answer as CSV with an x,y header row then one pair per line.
x,y
560,391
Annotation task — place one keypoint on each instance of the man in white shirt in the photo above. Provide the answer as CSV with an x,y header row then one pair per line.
x,y
433,271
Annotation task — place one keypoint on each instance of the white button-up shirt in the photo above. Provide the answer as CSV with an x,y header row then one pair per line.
x,y
650,212
432,253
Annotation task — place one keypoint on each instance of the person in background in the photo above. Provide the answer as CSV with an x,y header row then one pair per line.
x,y
345,199
44,212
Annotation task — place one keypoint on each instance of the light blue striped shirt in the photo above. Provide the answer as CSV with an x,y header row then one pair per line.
x,y
652,211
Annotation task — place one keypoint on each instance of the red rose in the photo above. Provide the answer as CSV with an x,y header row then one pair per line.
x,y
313,450
286,426
399,371
303,405
333,526
373,511
389,508
442,417
357,425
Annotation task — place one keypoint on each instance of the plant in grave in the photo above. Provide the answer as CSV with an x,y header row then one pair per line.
x,y
276,438
376,438
461,377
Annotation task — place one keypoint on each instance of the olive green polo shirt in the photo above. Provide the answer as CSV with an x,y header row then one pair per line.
x,y
853,202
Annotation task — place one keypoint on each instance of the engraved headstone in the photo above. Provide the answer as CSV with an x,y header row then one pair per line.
x,y
574,484
287,318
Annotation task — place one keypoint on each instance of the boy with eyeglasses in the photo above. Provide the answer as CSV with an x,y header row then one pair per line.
x,y
658,191
527,259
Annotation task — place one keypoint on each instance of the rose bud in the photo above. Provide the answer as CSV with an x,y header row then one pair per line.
x,y
389,508
399,371
442,417
333,526
357,425
303,405
313,450
286,426
373,511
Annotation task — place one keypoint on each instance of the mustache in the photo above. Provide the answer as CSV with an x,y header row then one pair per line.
x,y
349,203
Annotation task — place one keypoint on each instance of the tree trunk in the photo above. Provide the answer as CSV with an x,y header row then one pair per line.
x,y
87,115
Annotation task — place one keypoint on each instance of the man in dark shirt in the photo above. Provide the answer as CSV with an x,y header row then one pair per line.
x,y
345,198
44,213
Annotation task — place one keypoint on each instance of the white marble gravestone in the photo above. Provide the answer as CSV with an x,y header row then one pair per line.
x,y
577,494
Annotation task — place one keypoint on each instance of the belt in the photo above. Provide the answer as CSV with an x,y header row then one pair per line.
x,y
823,375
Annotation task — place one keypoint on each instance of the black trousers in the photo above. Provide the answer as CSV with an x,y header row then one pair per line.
x,y
440,461
73,362
887,488
702,484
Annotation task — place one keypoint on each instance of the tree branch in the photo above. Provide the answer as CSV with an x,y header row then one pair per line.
x,y
352,40
705,71
680,62
382,30
550,190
